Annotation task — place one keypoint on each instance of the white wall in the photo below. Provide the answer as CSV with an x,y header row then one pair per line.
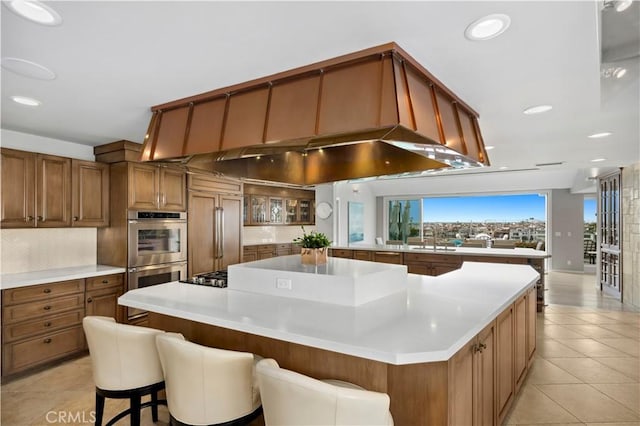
x,y
34,249
33,143
343,194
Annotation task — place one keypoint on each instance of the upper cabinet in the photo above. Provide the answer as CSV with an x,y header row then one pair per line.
x,y
41,191
269,205
90,189
153,187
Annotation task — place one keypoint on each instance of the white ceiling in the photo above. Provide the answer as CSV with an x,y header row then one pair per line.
x,y
114,60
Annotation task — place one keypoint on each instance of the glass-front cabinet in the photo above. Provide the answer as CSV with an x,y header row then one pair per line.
x,y
267,205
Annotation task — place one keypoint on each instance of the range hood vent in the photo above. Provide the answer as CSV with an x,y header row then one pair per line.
x,y
371,113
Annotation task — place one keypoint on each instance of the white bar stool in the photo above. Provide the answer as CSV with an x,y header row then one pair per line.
x,y
125,364
208,386
293,399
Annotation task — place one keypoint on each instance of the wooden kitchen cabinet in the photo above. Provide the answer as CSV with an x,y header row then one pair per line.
x,y
249,253
363,255
431,264
214,223
266,251
272,205
520,354
471,374
102,294
344,253
90,193
153,187
394,257
36,190
531,323
49,191
41,323
504,362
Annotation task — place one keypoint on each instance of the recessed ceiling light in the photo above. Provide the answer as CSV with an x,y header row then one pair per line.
x,y
600,135
27,68
489,147
503,168
619,72
538,109
597,160
487,27
24,100
35,11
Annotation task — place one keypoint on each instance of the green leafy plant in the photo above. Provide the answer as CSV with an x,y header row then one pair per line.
x,y
312,240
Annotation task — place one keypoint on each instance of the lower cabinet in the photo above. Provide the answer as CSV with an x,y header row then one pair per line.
x,y
431,264
343,253
504,362
102,296
394,257
472,379
532,310
43,323
521,356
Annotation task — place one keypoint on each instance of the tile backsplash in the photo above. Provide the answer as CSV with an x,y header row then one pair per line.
x,y
272,234
26,250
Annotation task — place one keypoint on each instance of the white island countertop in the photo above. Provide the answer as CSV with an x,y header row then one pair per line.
x,y
25,279
430,321
528,253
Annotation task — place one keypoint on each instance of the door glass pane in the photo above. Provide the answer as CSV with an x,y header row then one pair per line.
x,y
292,211
258,209
275,210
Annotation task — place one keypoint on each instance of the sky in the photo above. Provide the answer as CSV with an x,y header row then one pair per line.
x,y
590,209
490,208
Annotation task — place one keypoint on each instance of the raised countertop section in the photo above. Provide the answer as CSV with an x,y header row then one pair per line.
x,y
25,279
430,321
460,251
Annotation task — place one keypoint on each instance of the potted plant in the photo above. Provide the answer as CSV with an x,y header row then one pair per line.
x,y
314,247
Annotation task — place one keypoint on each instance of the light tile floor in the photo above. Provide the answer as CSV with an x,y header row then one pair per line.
x,y
586,370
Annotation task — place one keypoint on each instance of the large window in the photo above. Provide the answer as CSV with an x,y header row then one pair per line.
x,y
519,217
404,219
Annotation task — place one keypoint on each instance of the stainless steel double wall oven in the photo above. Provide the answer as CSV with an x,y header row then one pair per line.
x,y
157,249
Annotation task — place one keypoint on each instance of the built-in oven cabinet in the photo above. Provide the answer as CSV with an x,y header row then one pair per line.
x,y
153,187
214,223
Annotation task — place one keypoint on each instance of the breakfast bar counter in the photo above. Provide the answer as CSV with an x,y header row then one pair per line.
x,y
409,344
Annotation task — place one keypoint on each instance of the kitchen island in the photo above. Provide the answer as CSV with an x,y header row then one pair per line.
x,y
427,261
424,346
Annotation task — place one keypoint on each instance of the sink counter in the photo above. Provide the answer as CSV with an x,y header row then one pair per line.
x,y
460,251
429,321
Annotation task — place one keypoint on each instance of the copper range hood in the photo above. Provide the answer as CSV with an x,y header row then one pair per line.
x,y
376,112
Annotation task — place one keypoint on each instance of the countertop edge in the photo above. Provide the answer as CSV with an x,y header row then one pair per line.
x,y
26,279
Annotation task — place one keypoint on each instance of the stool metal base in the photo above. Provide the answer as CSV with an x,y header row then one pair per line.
x,y
134,396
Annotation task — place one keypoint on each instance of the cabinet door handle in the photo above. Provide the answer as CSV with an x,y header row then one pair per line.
x,y
47,340
47,290
483,346
47,324
89,300
46,308
75,218
105,281
164,199
40,219
475,348
28,218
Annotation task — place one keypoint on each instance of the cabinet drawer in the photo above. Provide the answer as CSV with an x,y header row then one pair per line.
x,y
24,354
42,308
266,247
43,325
388,257
348,254
105,281
250,249
41,291
362,255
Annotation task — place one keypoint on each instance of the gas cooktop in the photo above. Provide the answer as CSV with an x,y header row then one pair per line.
x,y
211,279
